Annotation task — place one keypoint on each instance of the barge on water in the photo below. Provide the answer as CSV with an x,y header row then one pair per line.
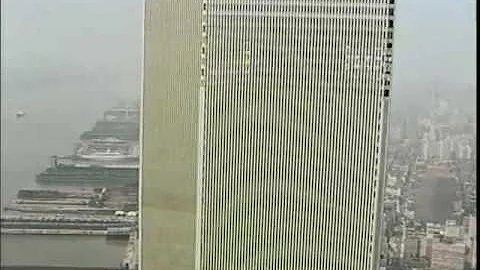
x,y
77,170
45,194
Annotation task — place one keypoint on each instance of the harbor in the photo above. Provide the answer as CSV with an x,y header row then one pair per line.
x,y
105,165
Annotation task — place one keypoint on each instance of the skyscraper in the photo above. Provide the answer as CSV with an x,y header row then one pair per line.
x,y
274,158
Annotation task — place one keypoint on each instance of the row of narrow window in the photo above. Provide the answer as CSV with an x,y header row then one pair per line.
x,y
319,10
389,47
298,5
310,8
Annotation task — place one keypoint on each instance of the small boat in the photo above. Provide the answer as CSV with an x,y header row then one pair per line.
x,y
20,114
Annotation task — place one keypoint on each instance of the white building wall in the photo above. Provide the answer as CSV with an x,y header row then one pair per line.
x,y
295,98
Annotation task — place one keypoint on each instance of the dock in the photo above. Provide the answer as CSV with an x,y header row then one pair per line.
x,y
53,202
98,201
62,212
33,267
40,224
52,232
130,261
25,217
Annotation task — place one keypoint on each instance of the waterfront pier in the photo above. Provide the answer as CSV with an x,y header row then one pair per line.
x,y
130,261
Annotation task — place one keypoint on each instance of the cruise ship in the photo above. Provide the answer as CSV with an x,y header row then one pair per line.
x,y
107,153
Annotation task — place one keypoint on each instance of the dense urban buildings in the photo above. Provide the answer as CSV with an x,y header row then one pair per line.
x,y
430,198
272,118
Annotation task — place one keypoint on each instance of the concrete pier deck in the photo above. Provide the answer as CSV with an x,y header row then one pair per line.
x,y
130,261
33,267
26,217
52,202
52,232
61,210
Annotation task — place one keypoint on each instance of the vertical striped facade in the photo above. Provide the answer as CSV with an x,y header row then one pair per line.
x,y
173,33
293,116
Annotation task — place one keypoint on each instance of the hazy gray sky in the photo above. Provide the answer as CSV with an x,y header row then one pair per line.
x,y
434,40
94,45
83,33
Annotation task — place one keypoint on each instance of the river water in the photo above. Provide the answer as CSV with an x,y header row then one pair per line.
x,y
78,251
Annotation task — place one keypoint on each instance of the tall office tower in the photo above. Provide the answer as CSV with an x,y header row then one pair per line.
x,y
286,128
